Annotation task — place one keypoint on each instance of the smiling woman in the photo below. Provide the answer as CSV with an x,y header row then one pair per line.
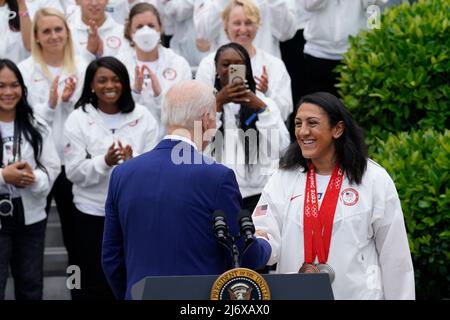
x,y
29,165
330,209
106,129
55,76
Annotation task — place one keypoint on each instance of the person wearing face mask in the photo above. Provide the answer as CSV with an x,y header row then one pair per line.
x,y
242,21
95,33
153,69
173,236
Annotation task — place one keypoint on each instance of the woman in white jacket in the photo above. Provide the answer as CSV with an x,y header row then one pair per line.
x,y
251,133
277,17
153,69
13,18
330,209
29,165
106,128
241,22
55,76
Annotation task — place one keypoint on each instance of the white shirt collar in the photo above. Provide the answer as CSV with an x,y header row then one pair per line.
x,y
184,139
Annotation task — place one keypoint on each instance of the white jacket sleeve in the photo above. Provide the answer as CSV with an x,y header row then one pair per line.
x,y
283,19
279,89
151,132
178,10
391,240
82,169
268,214
272,130
208,21
50,160
206,70
313,5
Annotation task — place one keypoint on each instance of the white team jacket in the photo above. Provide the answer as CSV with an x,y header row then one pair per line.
x,y
274,138
87,140
279,79
331,23
34,197
110,32
11,42
369,249
38,95
180,13
170,70
278,23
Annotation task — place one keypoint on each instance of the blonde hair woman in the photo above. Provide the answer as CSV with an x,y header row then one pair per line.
x,y
55,76
241,23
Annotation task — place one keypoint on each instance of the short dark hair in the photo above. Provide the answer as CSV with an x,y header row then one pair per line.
x,y
125,103
351,150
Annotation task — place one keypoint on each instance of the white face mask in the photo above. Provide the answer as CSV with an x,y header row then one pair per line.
x,y
146,38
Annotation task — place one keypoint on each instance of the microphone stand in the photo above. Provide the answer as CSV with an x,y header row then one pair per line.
x,y
235,254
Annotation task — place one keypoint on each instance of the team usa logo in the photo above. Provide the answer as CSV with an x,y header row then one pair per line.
x,y
240,284
169,74
113,42
350,196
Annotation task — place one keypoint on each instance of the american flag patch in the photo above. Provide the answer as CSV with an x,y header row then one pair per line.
x,y
260,210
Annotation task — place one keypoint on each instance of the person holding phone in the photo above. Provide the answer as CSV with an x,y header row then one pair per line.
x,y
251,132
242,22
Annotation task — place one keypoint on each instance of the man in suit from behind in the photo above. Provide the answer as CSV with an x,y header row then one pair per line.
x,y
159,210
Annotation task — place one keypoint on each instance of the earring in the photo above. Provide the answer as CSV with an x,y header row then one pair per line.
x,y
93,91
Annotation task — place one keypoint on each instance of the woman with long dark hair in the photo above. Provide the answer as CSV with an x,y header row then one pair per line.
x,y
29,166
106,128
331,209
251,133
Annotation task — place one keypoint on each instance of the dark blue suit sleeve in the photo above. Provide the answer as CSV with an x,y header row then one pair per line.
x,y
113,261
229,199
257,255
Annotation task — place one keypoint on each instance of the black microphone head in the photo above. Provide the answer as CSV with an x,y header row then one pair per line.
x,y
218,213
246,224
243,214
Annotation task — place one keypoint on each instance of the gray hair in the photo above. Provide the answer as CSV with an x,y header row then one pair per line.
x,y
186,102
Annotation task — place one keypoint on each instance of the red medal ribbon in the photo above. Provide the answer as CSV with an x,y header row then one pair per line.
x,y
318,224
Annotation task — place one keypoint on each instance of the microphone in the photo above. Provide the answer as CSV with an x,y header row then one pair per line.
x,y
220,227
246,225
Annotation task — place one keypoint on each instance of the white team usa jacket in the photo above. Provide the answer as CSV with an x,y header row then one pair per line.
x,y
87,141
39,91
273,140
34,197
369,249
171,68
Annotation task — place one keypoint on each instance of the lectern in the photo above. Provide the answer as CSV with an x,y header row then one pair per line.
x,y
295,286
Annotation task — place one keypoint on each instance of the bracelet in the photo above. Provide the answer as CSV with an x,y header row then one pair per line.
x,y
23,13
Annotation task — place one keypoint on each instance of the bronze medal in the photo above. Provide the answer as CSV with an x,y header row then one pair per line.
x,y
326,268
308,268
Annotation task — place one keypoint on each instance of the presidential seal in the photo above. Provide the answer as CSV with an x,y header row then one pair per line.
x,y
240,284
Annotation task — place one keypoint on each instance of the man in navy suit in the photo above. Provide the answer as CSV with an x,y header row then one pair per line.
x,y
159,210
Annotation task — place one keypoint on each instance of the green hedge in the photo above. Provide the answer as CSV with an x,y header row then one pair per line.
x,y
419,163
396,78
